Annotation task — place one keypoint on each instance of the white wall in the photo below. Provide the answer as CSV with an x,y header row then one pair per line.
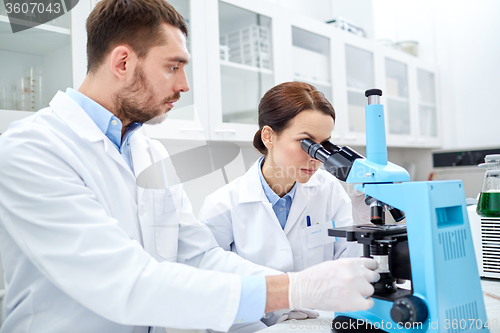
x,y
462,38
467,55
397,20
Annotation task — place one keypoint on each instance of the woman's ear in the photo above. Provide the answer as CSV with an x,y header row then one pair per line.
x,y
267,136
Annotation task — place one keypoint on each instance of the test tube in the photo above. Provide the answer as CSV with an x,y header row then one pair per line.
x,y
13,91
39,89
3,98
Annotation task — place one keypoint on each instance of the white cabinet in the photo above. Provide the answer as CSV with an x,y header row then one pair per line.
x,y
240,49
241,64
311,55
311,60
37,62
188,120
427,108
409,100
360,76
250,46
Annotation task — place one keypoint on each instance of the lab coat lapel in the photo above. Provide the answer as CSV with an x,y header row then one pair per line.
x,y
300,202
250,186
140,161
251,191
81,123
111,150
140,156
75,117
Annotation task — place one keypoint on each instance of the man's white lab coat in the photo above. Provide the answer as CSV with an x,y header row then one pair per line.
x,y
87,250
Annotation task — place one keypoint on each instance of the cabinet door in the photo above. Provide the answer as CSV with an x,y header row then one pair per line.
x,y
241,66
396,92
311,60
428,121
311,57
360,76
39,61
188,120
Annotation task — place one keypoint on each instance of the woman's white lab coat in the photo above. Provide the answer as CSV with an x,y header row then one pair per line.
x,y
243,221
87,250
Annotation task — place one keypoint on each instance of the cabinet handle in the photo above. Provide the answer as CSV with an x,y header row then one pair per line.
x,y
191,129
225,131
350,137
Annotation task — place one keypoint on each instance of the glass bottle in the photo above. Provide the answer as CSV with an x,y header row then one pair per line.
x,y
489,199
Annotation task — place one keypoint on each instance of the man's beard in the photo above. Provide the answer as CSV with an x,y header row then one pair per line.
x,y
134,102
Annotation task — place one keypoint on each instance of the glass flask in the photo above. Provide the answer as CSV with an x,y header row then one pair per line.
x,y
489,199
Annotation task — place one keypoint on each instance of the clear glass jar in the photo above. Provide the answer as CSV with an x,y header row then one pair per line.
x,y
489,199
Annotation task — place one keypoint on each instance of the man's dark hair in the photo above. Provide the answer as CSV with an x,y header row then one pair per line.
x,y
136,23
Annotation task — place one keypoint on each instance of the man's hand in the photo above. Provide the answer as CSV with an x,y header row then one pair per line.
x,y
340,285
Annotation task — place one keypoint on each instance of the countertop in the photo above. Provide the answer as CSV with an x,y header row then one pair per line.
x,y
491,295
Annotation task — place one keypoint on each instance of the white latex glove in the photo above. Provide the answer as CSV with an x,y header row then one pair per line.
x,y
298,314
340,285
360,210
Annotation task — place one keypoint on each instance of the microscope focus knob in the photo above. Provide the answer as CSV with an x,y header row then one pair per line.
x,y
409,309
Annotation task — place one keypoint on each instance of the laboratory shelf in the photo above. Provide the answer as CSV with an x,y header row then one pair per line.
x,y
356,90
397,98
245,67
38,40
312,81
427,105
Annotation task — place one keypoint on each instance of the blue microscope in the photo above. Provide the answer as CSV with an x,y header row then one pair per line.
x,y
433,250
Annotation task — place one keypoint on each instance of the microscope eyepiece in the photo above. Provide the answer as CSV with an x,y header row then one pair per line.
x,y
336,160
372,92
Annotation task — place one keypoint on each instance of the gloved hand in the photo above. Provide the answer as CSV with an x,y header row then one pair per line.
x,y
339,285
298,314
360,210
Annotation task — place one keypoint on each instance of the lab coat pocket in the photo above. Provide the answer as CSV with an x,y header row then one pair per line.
x,y
317,235
166,224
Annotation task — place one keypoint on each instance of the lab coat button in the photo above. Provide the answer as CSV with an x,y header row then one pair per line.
x,y
141,210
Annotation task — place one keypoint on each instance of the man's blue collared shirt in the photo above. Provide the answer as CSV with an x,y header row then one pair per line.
x,y
108,123
281,206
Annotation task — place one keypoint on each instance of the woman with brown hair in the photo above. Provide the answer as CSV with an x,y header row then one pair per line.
x,y
278,213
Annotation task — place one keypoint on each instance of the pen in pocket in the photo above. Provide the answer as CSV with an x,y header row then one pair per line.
x,y
308,219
